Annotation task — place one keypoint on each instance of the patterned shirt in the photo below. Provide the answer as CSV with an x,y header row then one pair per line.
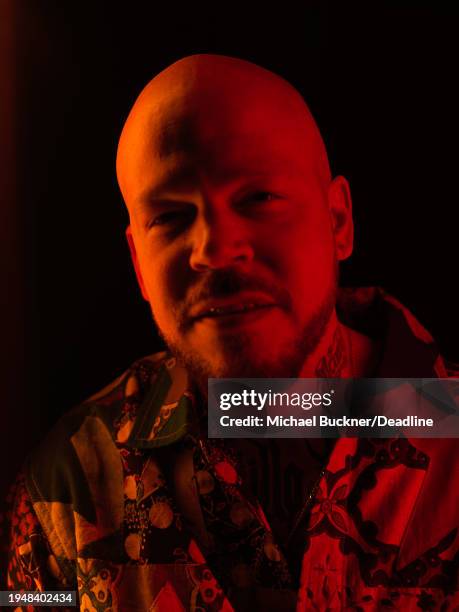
x,y
130,504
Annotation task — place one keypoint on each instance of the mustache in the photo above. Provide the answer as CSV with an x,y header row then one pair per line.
x,y
226,283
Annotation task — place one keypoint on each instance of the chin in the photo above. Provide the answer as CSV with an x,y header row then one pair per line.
x,y
244,364
241,356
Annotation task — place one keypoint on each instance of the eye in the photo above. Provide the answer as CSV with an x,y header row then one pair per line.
x,y
171,218
259,197
164,218
257,202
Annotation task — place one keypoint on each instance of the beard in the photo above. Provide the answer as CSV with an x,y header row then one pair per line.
x,y
240,354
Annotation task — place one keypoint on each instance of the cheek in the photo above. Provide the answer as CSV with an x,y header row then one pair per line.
x,y
306,267
164,274
302,252
315,262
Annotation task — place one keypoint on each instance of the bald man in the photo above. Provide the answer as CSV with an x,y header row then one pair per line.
x,y
236,232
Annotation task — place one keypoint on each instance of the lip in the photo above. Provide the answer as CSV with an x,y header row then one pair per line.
x,y
237,307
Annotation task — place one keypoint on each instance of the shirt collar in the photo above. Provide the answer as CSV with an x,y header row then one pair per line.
x,y
165,413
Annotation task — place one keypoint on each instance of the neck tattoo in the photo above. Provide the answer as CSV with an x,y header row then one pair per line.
x,y
337,357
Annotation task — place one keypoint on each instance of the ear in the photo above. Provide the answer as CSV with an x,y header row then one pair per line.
x,y
340,205
135,261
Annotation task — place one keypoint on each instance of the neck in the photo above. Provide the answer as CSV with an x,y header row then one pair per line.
x,y
341,353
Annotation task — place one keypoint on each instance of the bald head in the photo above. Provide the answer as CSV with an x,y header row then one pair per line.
x,y
205,105
235,224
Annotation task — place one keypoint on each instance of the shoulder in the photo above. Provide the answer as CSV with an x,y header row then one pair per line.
x,y
139,376
91,429
74,478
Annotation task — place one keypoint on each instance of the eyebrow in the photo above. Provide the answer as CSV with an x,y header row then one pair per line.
x,y
173,181
183,180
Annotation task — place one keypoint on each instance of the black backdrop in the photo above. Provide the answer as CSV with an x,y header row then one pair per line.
x,y
380,78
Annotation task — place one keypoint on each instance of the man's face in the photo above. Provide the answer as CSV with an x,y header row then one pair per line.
x,y
233,241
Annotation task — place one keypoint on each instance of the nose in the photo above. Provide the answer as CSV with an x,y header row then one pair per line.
x,y
219,242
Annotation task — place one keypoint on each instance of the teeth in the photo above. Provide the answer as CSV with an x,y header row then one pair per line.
x,y
231,309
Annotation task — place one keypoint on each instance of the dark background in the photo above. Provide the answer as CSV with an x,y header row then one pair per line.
x,y
381,80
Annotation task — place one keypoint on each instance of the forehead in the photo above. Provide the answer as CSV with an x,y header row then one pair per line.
x,y
175,150
221,117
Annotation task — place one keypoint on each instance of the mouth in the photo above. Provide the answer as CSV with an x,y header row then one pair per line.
x,y
236,309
